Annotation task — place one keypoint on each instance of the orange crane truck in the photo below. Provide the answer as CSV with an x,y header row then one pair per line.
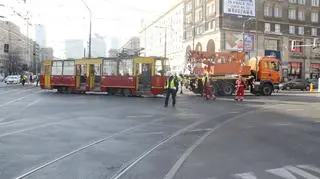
x,y
262,74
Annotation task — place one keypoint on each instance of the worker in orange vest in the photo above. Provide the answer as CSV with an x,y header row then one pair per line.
x,y
240,87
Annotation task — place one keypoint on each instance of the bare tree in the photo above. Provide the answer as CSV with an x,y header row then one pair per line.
x,y
14,64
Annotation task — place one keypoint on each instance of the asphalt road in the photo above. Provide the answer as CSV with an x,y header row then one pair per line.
x,y
44,134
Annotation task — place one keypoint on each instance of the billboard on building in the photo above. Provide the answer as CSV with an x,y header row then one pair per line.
x,y
249,42
233,41
240,7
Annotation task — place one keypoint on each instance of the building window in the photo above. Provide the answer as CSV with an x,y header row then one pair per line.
x,y
271,44
188,7
198,3
211,8
267,27
188,19
314,17
301,15
267,10
292,29
301,30
293,1
277,28
314,31
302,2
199,15
315,2
292,14
277,11
296,46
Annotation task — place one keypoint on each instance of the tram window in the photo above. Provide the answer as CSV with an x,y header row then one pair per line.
x,y
68,68
57,68
125,67
158,67
97,70
109,67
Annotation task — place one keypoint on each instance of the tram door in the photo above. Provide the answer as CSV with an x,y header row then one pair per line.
x,y
47,68
81,76
94,77
144,76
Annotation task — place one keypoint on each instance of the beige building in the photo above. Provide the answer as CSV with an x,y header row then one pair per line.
x,y
164,37
14,43
216,25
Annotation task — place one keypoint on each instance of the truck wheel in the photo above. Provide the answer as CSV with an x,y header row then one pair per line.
x,y
227,89
266,89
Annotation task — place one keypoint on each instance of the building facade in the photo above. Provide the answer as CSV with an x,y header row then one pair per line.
x,y
278,26
132,44
46,54
40,35
15,48
164,37
99,46
74,48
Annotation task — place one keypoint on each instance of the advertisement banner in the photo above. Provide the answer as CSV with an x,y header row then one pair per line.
x,y
233,41
240,7
248,42
273,53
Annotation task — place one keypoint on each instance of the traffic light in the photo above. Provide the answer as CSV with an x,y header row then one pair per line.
x,y
6,48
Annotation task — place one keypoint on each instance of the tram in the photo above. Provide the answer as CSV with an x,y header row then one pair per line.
x,y
129,77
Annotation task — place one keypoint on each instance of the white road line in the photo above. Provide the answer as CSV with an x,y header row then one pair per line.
x,y
281,172
301,172
32,103
310,167
249,175
17,99
185,155
85,147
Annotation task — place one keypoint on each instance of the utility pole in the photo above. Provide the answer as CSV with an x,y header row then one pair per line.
x,y
165,42
90,27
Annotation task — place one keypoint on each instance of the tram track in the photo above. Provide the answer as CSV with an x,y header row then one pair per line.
x,y
127,166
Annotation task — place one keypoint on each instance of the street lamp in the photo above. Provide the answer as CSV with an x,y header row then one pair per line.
x,y
243,27
90,14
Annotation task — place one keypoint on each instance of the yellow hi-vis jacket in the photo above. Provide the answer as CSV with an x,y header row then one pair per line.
x,y
173,83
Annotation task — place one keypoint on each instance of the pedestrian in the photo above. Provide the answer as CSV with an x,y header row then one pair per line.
x,y
240,87
30,79
37,80
207,88
172,86
182,82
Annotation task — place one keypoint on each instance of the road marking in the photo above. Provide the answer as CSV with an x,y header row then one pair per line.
x,y
281,172
32,103
310,167
301,172
249,175
286,172
18,99
185,155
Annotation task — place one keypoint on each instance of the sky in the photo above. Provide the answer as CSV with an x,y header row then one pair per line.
x,y
69,19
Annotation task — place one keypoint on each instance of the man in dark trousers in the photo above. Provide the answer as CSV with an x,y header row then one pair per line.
x,y
172,85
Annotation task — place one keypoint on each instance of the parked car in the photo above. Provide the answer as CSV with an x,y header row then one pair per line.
x,y
12,79
295,84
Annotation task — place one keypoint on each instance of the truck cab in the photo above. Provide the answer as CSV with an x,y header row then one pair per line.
x,y
266,75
